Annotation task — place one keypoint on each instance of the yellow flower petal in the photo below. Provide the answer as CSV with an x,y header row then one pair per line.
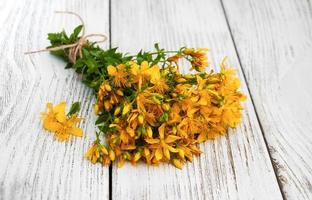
x,y
202,137
51,125
111,70
152,141
104,150
90,152
126,109
137,156
177,163
161,131
144,65
149,132
130,131
134,69
181,153
158,154
171,138
59,111
121,162
166,153
147,152
154,72
61,136
76,131
171,149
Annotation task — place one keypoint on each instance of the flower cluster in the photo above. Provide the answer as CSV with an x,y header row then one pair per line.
x,y
149,111
62,125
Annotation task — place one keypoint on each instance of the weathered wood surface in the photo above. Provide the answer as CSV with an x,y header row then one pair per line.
x,y
233,167
274,43
269,40
32,164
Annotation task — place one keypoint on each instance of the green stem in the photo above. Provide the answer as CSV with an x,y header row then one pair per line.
x,y
154,53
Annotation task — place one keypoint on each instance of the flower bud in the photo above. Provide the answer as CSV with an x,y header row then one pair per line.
x,y
107,105
107,87
104,150
137,156
149,132
116,120
174,130
141,119
112,125
130,131
188,51
188,76
119,92
181,152
126,109
165,106
117,110
181,80
177,163
112,155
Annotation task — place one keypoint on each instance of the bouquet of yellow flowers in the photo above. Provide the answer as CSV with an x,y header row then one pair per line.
x,y
147,109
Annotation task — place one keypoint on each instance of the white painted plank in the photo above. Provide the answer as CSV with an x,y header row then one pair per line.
x,y
232,167
32,164
274,42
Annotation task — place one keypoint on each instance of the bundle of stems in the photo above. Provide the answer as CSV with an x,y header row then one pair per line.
x,y
147,110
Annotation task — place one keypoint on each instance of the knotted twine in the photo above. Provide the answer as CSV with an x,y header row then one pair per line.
x,y
74,48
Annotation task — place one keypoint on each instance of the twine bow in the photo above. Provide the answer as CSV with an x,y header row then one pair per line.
x,y
75,48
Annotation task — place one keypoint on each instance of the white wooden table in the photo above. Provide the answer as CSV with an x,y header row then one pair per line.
x,y
269,156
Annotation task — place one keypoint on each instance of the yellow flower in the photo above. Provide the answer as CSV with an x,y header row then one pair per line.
x,y
55,120
143,73
199,59
93,153
148,108
69,128
186,151
164,145
118,74
160,85
175,116
158,114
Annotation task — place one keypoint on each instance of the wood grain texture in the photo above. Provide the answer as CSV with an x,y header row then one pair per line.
x,y
233,167
274,42
32,164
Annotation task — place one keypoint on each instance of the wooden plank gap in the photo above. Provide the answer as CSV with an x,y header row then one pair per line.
x,y
280,185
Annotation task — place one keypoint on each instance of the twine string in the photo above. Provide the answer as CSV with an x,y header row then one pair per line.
x,y
74,49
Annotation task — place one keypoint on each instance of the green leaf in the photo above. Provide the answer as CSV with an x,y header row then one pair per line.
x,y
75,107
104,117
58,38
74,36
68,66
105,129
156,45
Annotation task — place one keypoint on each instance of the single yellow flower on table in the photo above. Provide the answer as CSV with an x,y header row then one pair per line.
x,y
63,126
